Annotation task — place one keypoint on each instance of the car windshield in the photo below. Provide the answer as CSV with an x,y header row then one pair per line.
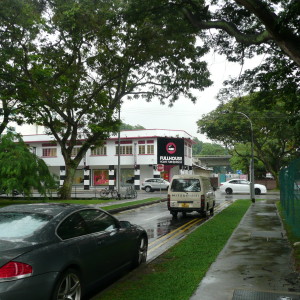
x,y
186,185
19,225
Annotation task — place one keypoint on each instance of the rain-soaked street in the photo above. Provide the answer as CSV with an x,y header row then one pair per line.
x,y
164,230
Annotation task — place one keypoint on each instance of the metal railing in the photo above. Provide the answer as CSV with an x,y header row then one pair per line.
x,y
289,178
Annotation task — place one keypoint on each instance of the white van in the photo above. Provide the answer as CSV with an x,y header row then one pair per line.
x,y
188,193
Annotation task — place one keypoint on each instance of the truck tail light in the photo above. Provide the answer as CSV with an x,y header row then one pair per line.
x,y
14,270
203,201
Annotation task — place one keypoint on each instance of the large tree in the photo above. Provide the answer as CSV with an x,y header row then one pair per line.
x,y
84,56
275,136
17,24
237,27
250,23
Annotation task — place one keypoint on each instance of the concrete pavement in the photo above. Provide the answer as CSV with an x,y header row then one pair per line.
x,y
256,262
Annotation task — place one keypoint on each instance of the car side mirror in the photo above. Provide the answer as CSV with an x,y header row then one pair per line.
x,y
125,224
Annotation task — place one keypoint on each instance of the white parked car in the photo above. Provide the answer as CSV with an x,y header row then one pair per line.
x,y
240,186
155,184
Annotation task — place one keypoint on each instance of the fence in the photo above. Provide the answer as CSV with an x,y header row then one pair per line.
x,y
289,179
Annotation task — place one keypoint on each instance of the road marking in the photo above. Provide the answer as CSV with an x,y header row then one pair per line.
x,y
172,232
170,236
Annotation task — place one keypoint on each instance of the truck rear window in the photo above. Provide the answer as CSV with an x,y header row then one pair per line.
x,y
185,185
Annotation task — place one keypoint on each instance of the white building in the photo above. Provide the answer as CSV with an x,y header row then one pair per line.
x,y
142,155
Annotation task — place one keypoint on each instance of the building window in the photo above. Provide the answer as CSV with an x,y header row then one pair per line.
x,y
124,150
101,177
99,151
146,149
49,152
142,149
150,149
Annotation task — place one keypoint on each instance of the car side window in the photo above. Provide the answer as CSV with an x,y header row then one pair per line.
x,y
234,181
72,226
244,182
97,220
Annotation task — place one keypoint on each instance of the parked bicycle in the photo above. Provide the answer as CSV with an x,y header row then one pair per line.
x,y
131,192
105,193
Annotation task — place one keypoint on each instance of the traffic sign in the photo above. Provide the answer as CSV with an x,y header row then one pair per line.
x,y
160,168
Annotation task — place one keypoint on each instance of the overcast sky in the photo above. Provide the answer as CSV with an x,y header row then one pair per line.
x,y
184,114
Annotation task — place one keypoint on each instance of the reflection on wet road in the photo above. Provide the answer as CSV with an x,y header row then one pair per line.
x,y
163,230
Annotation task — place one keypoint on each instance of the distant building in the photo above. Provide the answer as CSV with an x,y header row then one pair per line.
x,y
143,154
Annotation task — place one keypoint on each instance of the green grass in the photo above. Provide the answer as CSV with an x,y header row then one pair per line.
x,y
292,237
176,274
5,202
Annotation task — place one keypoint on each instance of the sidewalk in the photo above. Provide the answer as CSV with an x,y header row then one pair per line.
x,y
256,262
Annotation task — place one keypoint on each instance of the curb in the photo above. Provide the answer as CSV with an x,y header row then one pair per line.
x,y
117,210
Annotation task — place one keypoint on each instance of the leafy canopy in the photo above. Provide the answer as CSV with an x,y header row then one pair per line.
x,y
20,169
275,128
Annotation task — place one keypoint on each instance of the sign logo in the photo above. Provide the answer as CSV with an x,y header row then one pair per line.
x,y
170,151
171,148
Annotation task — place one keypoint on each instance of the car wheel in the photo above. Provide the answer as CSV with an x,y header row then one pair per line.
x,y
68,286
228,191
257,191
148,189
141,254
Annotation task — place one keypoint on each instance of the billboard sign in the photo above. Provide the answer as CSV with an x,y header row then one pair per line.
x,y
170,151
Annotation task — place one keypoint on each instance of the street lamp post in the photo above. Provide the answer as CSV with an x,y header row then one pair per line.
x,y
252,193
119,157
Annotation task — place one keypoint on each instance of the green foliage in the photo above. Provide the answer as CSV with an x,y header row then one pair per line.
x,y
275,136
197,146
213,149
125,126
20,169
69,64
240,161
200,148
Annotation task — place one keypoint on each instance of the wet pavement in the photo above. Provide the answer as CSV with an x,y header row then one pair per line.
x,y
256,262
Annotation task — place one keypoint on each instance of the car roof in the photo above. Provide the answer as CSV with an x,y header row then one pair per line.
x,y
51,209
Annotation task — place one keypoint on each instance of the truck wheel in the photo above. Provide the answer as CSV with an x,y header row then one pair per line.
x,y
174,214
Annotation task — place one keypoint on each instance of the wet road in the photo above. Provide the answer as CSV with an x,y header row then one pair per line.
x,y
163,230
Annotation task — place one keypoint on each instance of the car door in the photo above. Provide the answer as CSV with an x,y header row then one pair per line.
x,y
234,185
114,244
160,184
244,186
81,247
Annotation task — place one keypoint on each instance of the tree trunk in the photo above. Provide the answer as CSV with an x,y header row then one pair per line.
x,y
66,189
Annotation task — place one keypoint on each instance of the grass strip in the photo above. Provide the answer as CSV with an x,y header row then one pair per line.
x,y
176,274
6,202
292,237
